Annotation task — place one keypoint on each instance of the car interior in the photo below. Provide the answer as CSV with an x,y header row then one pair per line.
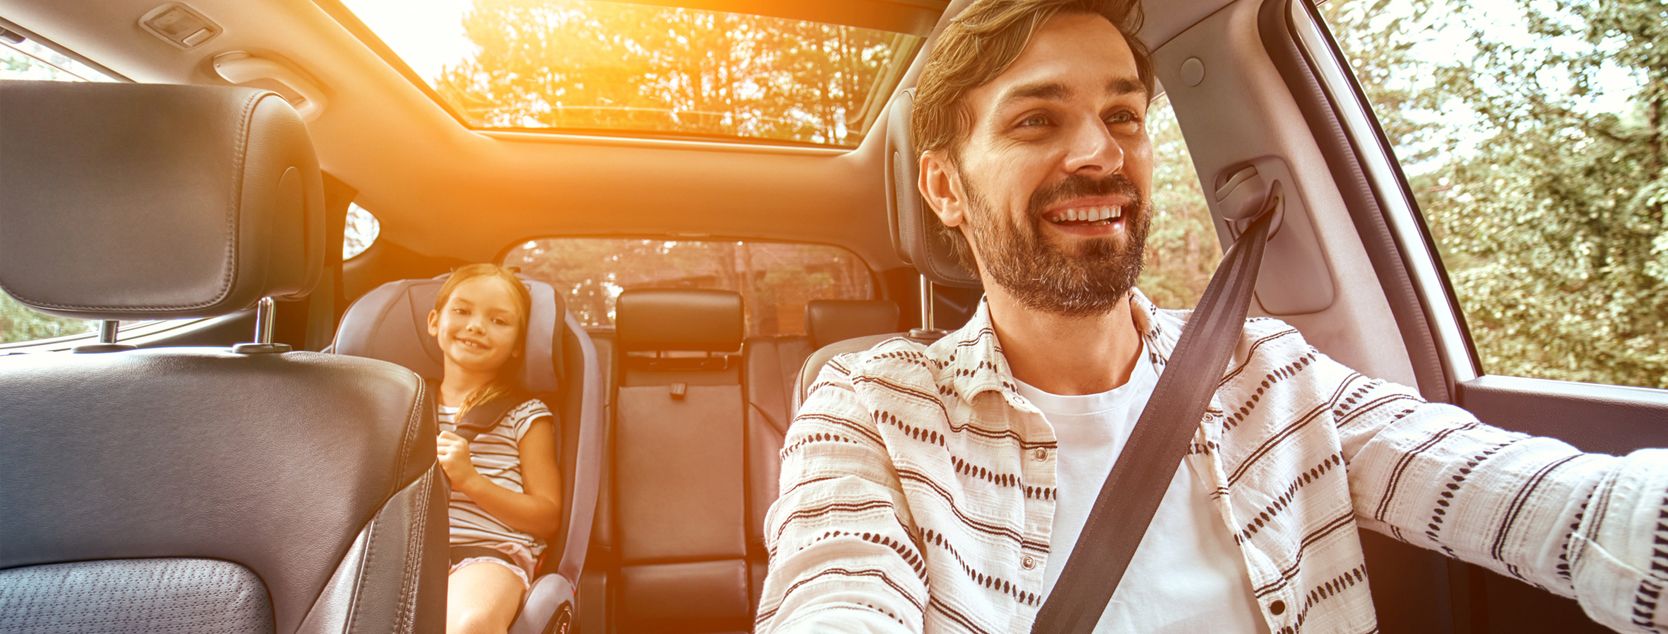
x,y
249,425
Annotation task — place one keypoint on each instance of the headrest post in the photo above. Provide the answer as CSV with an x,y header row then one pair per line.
x,y
926,304
264,312
107,330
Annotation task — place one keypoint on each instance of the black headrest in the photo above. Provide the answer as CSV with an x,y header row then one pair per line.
x,y
678,319
391,323
915,230
831,320
124,201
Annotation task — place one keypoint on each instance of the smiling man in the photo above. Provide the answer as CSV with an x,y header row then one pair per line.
x,y
943,487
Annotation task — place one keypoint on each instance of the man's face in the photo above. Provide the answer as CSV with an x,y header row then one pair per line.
x,y
1052,182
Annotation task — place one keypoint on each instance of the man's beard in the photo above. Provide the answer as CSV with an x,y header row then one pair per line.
x,y
1040,275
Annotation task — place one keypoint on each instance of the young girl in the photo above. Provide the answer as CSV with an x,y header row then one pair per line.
x,y
506,491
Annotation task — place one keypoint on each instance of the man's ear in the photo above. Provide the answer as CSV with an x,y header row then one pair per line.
x,y
940,185
434,323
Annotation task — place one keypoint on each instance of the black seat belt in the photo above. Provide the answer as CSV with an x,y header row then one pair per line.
x,y
483,416
1142,473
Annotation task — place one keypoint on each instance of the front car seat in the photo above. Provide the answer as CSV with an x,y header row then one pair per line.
x,y
558,364
195,489
916,237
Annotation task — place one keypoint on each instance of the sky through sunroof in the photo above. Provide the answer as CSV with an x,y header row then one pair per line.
x,y
574,65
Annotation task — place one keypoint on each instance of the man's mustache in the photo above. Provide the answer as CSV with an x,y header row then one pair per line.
x,y
1078,186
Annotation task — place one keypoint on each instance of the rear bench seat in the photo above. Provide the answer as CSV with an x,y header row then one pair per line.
x,y
679,469
698,425
773,365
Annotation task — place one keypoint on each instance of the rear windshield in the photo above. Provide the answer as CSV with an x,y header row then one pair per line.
x,y
775,280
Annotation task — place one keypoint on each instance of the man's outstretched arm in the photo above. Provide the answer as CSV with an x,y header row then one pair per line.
x,y
839,552
1589,526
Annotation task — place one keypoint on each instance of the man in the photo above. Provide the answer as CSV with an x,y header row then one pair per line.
x,y
943,487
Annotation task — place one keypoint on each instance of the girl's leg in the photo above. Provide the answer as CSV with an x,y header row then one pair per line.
x,y
482,597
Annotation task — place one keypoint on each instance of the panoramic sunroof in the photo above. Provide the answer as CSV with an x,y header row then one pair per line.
x,y
611,67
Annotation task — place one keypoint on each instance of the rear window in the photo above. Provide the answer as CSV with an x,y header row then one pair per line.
x,y
775,280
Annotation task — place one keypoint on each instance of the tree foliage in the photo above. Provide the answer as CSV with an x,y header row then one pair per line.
x,y
577,65
1539,156
1182,249
19,323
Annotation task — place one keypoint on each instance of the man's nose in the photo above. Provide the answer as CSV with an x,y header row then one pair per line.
x,y
1093,150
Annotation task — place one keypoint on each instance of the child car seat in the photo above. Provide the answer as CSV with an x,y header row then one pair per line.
x,y
558,365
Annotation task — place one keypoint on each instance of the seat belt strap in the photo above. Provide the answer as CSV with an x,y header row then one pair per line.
x,y
483,416
1143,471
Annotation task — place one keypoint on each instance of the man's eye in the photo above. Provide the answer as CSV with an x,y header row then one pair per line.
x,y
1121,117
500,322
1033,121
460,311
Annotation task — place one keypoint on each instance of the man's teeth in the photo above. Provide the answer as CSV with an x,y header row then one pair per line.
x,y
1090,214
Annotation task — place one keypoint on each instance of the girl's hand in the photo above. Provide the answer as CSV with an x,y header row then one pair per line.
x,y
453,453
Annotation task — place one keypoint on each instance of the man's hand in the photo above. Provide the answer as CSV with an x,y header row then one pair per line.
x,y
453,453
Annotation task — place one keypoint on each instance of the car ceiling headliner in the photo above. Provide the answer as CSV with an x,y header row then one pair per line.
x,y
444,190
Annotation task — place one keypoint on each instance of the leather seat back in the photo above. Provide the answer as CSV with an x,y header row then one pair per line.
x,y
679,468
250,489
773,366
917,237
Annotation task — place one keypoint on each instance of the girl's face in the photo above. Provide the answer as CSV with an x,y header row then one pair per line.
x,y
478,325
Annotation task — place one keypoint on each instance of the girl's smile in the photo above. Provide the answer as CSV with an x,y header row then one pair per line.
x,y
477,327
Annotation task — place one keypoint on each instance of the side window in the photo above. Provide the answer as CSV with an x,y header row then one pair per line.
x,y
1534,137
361,231
25,59
775,280
1182,250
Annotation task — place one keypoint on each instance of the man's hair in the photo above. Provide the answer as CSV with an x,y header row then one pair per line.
x,y
976,47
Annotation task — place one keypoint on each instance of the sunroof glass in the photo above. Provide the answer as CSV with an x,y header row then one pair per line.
x,y
618,67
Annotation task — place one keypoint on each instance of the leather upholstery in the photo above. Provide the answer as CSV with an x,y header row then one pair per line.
x,y
92,596
391,323
276,462
679,466
831,320
772,365
155,201
316,473
679,320
915,230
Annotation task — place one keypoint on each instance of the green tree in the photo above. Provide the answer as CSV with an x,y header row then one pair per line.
x,y
19,323
1182,249
609,66
1540,161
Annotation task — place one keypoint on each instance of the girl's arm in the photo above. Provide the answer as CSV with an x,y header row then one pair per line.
x,y
539,510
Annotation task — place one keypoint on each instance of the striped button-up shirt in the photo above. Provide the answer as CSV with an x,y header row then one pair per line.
x,y
918,491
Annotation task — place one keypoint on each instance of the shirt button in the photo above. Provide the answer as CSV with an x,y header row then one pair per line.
x,y
1277,608
1040,454
1028,563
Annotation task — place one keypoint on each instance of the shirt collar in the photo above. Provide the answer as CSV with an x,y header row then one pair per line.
x,y
975,363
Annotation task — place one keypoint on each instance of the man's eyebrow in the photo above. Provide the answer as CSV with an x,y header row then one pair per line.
x,y
1056,91
1124,86
1050,90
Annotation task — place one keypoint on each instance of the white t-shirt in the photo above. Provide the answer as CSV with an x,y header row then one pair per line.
x,y
1187,576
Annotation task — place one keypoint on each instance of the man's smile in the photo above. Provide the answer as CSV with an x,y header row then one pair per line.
x,y
1088,217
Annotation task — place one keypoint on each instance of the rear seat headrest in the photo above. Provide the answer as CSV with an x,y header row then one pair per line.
x,y
831,320
391,323
128,201
915,229
679,320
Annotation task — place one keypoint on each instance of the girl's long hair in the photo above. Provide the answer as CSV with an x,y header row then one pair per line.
x,y
508,379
